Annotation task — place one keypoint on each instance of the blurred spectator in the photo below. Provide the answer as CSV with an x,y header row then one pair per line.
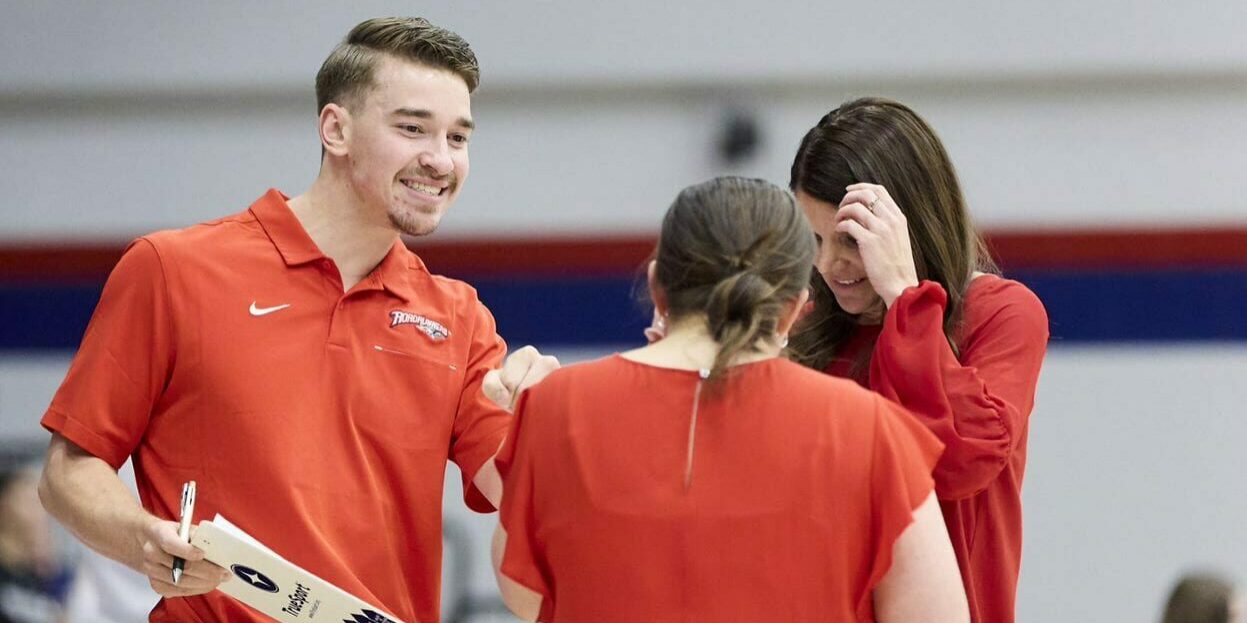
x,y
33,582
1204,598
106,591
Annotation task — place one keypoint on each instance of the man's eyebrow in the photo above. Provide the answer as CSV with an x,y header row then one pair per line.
x,y
420,113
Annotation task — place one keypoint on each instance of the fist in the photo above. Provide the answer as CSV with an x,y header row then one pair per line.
x,y
521,370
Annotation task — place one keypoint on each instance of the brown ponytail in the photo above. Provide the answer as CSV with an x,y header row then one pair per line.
x,y
735,250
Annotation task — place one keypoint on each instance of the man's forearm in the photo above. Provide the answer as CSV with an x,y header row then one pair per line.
x,y
87,497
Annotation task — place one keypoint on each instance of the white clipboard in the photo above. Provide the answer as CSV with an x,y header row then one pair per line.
x,y
271,584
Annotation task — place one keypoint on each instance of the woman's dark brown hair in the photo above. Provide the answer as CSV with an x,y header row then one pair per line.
x,y
883,142
735,250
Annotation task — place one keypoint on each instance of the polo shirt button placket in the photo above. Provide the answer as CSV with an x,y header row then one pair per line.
x,y
331,275
338,323
334,280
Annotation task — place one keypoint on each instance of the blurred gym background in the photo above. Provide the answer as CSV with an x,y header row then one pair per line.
x,y
1102,147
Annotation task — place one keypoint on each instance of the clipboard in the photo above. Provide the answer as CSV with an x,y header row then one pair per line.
x,y
275,586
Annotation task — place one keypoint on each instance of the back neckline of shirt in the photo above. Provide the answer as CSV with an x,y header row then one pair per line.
x,y
692,371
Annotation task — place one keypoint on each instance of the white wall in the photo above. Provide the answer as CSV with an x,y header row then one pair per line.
x,y
159,46
1135,472
123,117
611,161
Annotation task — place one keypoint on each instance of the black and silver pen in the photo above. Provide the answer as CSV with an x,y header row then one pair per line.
x,y
184,525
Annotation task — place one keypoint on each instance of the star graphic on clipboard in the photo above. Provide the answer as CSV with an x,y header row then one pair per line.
x,y
254,578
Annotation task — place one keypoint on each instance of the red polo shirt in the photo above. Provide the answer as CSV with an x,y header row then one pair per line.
x,y
318,421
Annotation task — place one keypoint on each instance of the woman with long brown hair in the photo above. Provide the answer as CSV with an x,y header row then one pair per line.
x,y
908,303
706,478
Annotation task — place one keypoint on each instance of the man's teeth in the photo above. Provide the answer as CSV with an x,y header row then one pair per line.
x,y
423,188
849,282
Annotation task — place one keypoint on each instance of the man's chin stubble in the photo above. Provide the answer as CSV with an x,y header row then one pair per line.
x,y
411,226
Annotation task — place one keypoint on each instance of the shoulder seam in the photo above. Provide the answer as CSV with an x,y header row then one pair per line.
x,y
164,278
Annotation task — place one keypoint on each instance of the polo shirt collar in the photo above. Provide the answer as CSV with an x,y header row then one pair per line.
x,y
395,269
287,234
296,246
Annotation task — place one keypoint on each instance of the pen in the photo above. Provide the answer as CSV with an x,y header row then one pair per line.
x,y
184,525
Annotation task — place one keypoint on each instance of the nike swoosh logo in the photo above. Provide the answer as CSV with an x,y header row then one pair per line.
x,y
263,311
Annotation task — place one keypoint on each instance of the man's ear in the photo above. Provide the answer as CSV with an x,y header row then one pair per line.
x,y
335,129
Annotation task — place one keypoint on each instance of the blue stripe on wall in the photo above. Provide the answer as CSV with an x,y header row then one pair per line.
x,y
1152,306
1083,306
45,317
581,311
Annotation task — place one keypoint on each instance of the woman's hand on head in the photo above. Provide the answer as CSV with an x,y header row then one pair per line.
x,y
870,216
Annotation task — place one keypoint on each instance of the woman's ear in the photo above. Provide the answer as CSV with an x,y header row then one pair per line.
x,y
656,292
793,312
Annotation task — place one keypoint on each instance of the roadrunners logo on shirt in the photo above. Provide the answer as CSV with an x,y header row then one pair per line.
x,y
368,616
431,328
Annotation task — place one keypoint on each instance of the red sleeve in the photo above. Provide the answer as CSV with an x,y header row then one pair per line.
x,y
123,363
978,405
903,455
522,561
480,425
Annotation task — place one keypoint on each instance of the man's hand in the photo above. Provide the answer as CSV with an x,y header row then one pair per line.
x,y
160,545
522,369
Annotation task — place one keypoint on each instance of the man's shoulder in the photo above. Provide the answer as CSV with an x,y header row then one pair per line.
x,y
209,237
427,282
456,287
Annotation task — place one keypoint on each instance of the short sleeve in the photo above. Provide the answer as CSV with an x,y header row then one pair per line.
x,y
480,425
123,363
903,457
523,560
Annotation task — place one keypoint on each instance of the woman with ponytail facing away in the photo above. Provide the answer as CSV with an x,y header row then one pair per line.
x,y
705,478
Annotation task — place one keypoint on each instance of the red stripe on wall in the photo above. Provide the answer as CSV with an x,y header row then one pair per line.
x,y
1120,248
599,256
58,262
553,257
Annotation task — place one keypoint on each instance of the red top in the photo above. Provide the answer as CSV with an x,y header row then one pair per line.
x,y
979,405
799,484
319,422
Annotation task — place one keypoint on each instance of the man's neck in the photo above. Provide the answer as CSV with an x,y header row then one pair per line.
x,y
333,217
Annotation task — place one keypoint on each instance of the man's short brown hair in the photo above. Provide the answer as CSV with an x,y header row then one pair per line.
x,y
347,75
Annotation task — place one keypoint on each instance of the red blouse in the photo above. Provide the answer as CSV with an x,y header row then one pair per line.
x,y
978,404
779,501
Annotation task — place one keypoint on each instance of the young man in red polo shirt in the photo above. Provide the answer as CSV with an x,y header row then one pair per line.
x,y
297,360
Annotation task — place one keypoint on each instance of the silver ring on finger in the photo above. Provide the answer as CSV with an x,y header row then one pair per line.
x,y
871,206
